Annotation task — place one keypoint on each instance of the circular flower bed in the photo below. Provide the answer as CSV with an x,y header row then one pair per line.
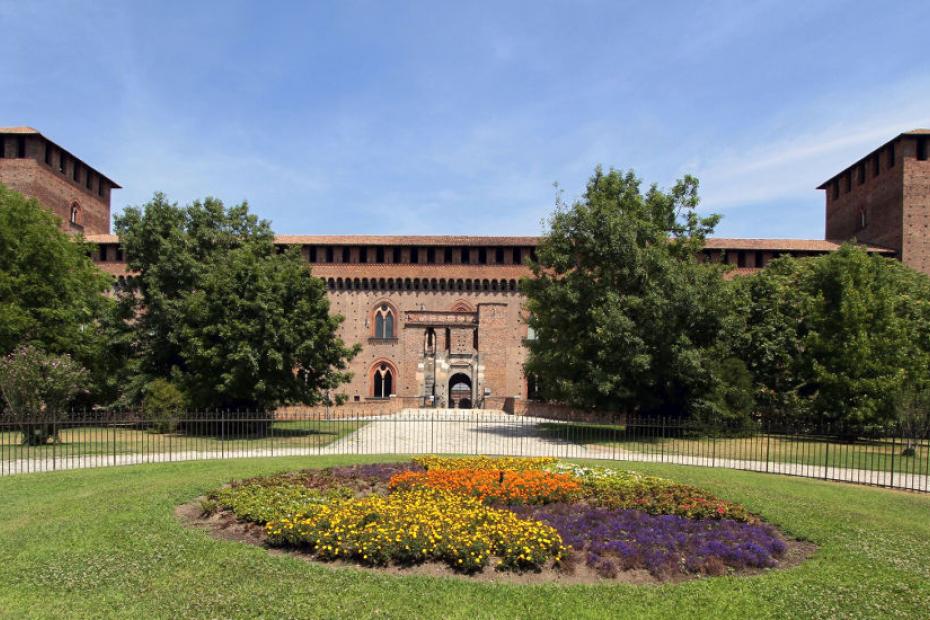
x,y
511,514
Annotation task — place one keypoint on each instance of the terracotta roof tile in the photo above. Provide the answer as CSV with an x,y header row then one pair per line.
x,y
783,245
713,243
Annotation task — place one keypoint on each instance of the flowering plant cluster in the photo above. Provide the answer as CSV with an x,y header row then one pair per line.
x,y
493,486
513,463
613,488
513,513
260,503
419,525
613,540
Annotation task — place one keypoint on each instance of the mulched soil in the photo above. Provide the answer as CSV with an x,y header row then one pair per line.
x,y
225,526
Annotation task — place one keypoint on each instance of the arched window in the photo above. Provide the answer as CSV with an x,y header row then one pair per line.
x,y
75,213
382,381
384,322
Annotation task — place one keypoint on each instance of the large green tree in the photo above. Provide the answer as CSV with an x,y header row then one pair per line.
x,y
624,316
219,312
841,338
51,293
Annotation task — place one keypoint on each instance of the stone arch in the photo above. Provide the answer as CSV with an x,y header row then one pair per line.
x,y
384,320
382,379
462,305
460,391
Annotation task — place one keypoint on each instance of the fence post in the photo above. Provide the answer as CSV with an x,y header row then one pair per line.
x,y
767,428
662,442
222,435
893,450
826,456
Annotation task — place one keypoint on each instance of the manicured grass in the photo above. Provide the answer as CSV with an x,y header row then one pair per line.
x,y
106,543
129,439
873,455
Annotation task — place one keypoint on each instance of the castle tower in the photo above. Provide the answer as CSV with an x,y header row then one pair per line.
x,y
884,199
35,166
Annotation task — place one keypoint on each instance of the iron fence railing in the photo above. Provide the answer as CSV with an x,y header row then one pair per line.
x,y
893,456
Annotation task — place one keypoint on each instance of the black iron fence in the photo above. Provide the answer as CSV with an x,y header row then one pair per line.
x,y
894,456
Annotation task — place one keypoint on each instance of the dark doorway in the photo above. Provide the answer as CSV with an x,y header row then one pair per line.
x,y
460,391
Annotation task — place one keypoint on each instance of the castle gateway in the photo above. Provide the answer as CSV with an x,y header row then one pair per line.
x,y
439,318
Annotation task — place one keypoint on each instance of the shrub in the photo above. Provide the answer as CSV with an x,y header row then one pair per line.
x,y
37,388
484,462
493,486
415,526
163,405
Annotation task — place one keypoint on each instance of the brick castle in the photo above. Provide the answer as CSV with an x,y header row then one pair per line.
x,y
439,318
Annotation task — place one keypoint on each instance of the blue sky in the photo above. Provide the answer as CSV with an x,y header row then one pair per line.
x,y
456,118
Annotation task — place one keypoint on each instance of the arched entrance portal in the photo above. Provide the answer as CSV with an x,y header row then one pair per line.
x,y
460,391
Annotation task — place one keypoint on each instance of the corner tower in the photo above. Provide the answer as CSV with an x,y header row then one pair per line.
x,y
35,166
884,199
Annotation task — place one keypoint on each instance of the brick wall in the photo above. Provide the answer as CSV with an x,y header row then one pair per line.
x,y
879,197
556,411
57,191
916,187
501,342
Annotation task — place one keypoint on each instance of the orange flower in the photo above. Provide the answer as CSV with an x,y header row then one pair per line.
x,y
495,486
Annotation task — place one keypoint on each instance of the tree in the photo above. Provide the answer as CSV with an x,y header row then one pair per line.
x,y
51,293
837,339
37,389
163,405
624,316
220,313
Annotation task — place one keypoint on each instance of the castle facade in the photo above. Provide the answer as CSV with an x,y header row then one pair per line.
x,y
439,318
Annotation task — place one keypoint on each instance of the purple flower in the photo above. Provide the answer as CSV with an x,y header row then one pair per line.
x,y
663,544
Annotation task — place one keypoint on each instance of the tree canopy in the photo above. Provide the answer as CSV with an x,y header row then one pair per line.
x,y
839,338
624,316
221,313
51,293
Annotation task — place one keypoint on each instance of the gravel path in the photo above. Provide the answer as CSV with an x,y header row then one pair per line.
x,y
471,432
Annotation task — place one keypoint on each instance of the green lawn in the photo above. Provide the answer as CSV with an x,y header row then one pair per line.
x,y
105,543
874,455
129,439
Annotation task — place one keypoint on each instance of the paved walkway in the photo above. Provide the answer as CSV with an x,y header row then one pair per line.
x,y
472,432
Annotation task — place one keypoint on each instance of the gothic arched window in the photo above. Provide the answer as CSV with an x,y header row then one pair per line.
x,y
384,322
382,381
